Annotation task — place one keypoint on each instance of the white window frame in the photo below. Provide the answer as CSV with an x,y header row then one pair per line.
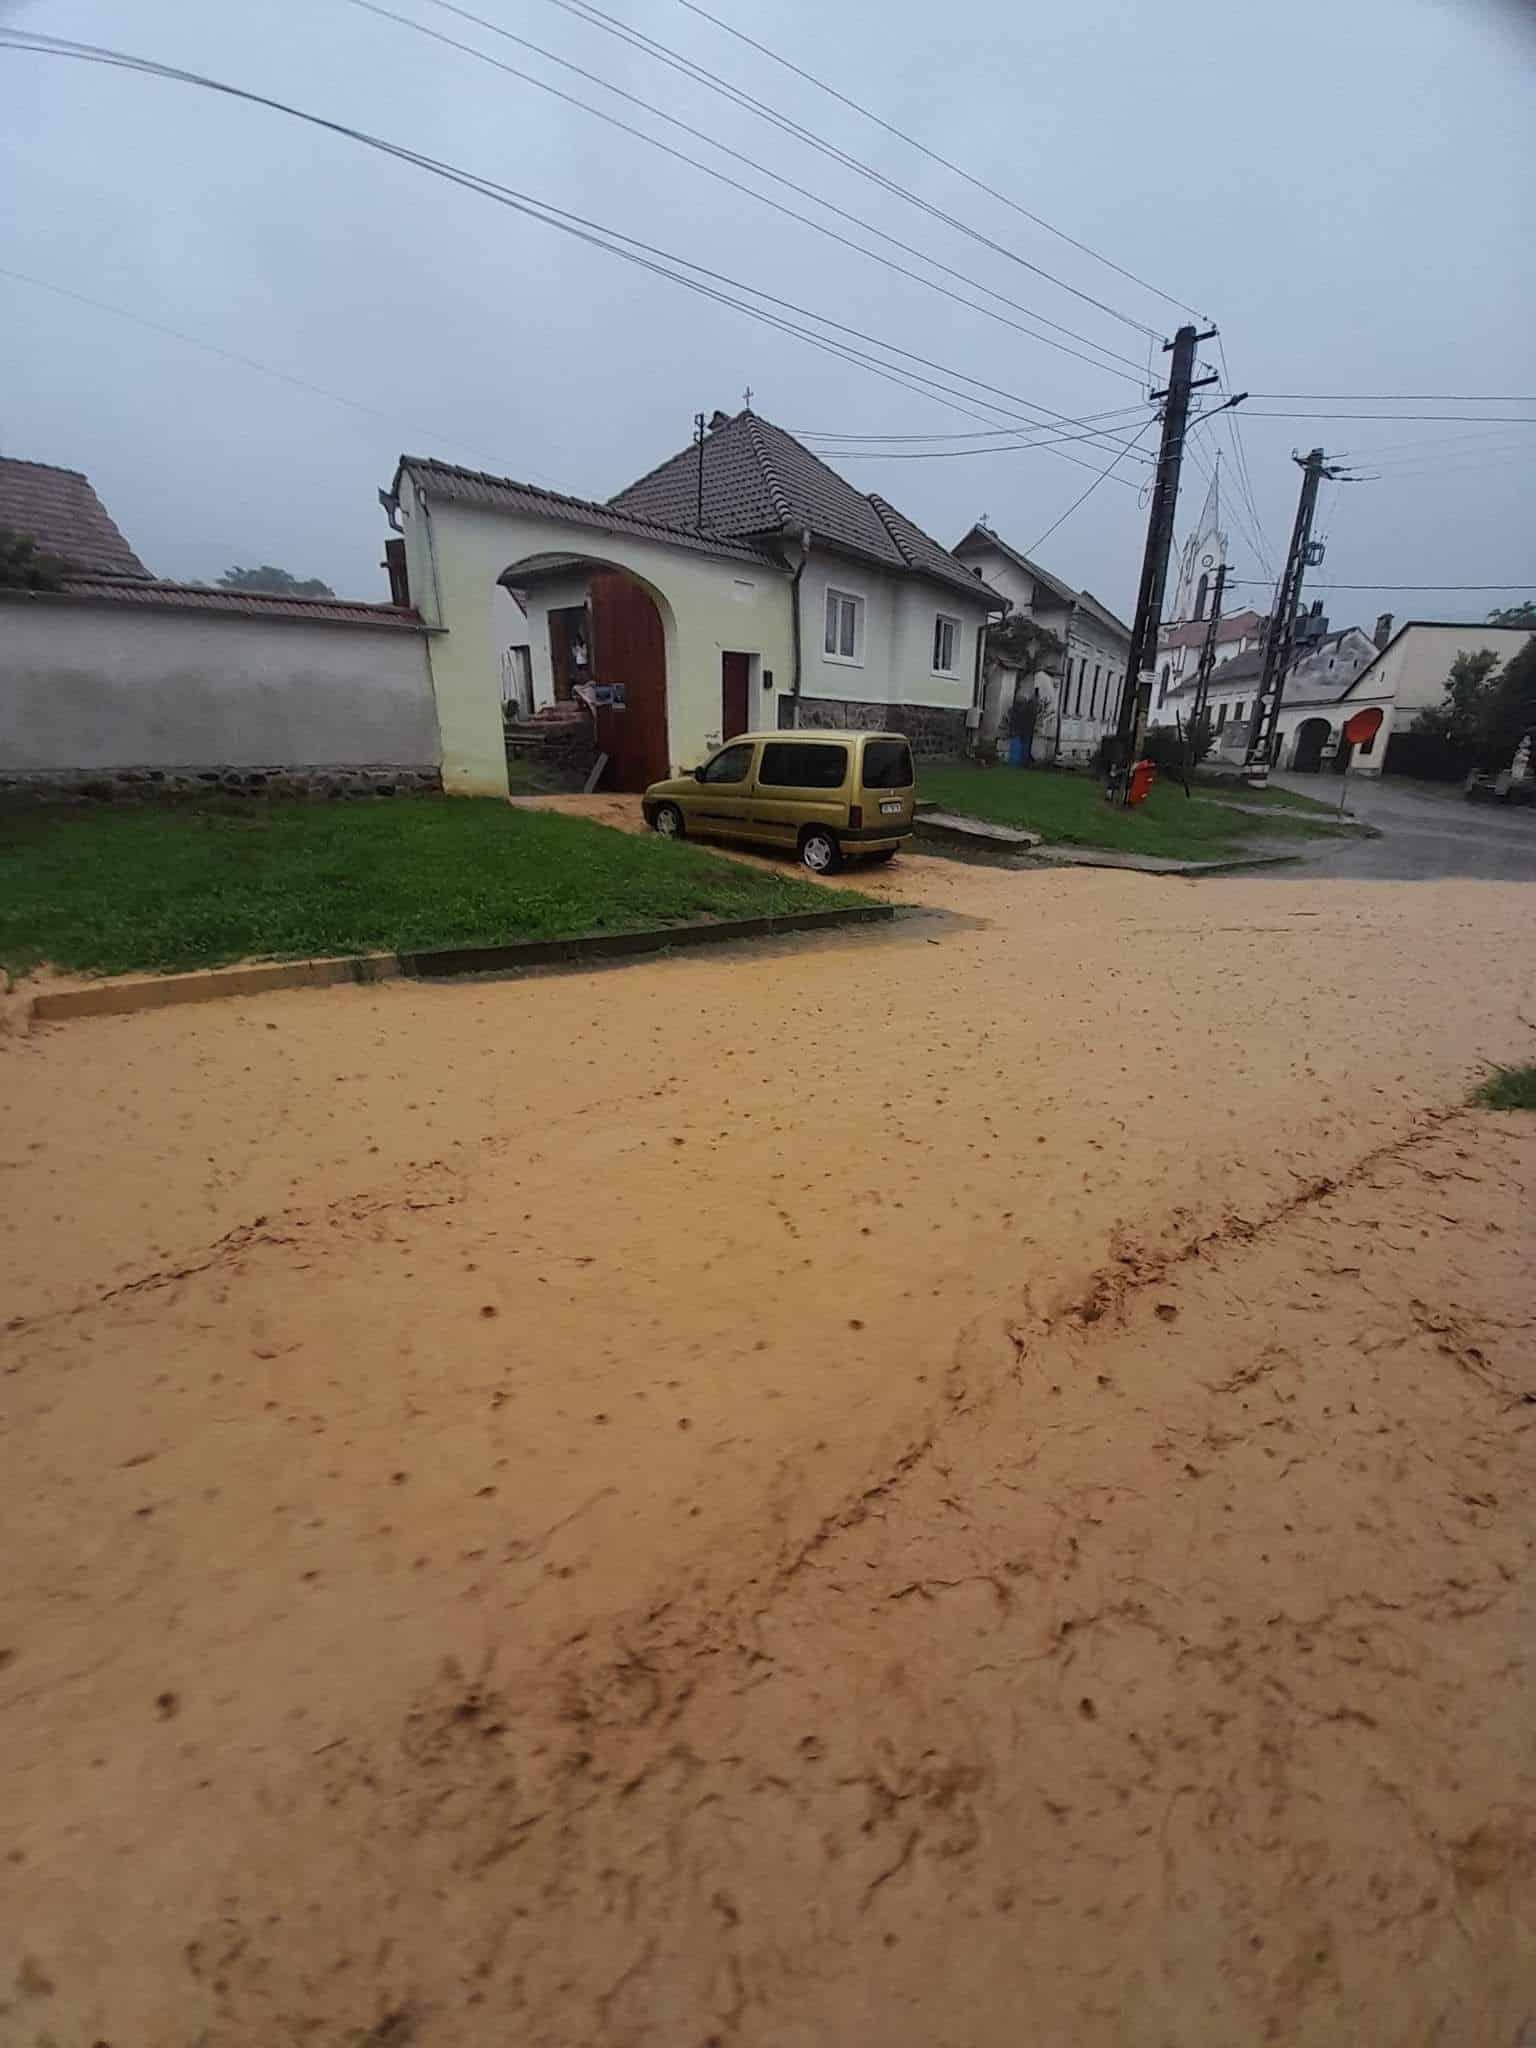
x,y
835,601
940,621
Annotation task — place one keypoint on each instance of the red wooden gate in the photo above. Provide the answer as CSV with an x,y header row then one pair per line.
x,y
735,678
629,648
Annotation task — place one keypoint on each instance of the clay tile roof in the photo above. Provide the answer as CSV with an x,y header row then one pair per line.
x,y
58,509
447,481
759,481
149,594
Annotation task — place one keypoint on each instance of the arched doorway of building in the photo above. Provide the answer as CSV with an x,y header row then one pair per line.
x,y
598,644
1311,738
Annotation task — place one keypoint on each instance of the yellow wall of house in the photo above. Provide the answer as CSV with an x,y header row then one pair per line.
x,y
709,606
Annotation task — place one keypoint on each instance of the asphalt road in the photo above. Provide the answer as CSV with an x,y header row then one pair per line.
x,y
1426,836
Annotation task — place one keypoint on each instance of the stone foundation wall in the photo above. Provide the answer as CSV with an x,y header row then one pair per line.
x,y
930,728
147,785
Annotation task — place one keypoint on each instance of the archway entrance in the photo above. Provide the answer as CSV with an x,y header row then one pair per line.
x,y
629,680
597,649
1311,738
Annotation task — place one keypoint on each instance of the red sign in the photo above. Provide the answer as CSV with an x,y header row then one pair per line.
x,y
1363,726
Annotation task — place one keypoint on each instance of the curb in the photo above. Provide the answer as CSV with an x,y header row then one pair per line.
x,y
1140,863
123,997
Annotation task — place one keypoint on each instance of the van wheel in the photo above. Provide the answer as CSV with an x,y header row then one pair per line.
x,y
820,851
668,821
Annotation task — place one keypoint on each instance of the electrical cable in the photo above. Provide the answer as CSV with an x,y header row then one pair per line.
x,y
1102,477
1131,370
584,10
613,242
934,157
844,454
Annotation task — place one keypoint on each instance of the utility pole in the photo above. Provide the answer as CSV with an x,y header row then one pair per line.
x,y
1280,640
698,435
1154,568
1207,656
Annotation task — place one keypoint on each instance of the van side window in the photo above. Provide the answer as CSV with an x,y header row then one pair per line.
x,y
731,766
808,764
887,764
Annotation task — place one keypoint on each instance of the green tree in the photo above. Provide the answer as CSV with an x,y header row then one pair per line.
x,y
1459,719
23,565
1509,709
273,582
1515,615
1021,643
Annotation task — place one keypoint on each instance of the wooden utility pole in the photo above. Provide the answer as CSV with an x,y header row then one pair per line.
x,y
1280,639
1207,659
698,435
1154,568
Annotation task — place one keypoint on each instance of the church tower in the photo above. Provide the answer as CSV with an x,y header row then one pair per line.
x,y
1203,553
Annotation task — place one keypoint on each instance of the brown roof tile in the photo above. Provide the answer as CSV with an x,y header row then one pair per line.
x,y
759,481
58,509
145,593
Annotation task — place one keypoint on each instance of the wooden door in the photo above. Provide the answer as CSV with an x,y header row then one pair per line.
x,y
629,649
735,676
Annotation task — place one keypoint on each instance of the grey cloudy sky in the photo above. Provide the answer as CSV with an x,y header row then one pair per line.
x,y
1343,185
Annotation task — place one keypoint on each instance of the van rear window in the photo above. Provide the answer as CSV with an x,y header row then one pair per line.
x,y
803,764
887,764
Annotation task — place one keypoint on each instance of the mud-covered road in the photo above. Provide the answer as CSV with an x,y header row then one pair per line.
x,y
860,1490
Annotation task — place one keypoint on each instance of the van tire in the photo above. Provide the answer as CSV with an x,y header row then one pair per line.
x,y
668,821
819,850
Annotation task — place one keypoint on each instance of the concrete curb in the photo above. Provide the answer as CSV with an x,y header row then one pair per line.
x,y
124,996
1150,864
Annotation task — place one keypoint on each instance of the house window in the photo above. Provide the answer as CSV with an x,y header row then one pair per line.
x,y
1162,688
1093,700
845,626
1221,717
946,645
1237,714
1082,663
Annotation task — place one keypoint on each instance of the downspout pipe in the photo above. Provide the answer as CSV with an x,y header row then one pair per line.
x,y
794,610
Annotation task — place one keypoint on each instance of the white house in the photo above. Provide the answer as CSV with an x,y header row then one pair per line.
x,y
1081,688
1321,671
741,583
1407,675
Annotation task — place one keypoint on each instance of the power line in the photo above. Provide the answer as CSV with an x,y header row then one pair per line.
x,y
1397,397
1395,587
1086,495
627,247
1483,419
584,10
1131,371
1121,412
950,454
1240,458
934,156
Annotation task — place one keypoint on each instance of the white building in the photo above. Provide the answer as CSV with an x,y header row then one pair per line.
x,y
740,584
1081,687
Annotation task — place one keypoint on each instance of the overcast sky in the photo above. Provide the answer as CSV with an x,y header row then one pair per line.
x,y
1344,186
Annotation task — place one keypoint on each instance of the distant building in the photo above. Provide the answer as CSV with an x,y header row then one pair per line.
x,y
58,509
1079,689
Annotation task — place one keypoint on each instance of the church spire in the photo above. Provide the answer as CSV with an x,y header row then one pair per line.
x,y
1205,548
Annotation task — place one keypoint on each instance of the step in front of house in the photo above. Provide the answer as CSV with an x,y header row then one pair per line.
x,y
973,832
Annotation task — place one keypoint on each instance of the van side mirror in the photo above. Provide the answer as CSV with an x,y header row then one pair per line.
x,y
698,773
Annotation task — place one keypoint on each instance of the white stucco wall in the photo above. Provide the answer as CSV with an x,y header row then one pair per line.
x,y
99,685
1413,669
895,661
709,605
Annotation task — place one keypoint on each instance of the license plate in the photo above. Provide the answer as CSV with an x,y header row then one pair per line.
x,y
890,810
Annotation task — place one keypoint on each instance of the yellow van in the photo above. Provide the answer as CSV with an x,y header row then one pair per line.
x,y
823,795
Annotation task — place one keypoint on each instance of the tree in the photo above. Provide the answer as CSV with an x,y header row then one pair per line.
x,y
23,565
1459,719
1509,712
1515,615
273,582
1022,644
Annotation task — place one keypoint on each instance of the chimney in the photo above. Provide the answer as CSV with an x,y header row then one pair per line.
x,y
1383,632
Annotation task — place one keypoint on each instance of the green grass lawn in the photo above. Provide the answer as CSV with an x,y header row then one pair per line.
x,y
131,887
1509,1088
1070,810
1276,799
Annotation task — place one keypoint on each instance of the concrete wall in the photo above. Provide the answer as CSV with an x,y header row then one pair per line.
x,y
98,686
708,606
